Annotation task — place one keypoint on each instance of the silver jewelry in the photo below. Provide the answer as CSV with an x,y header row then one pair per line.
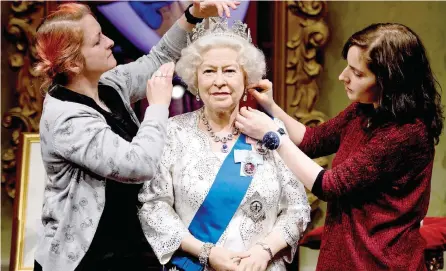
x,y
225,139
197,97
217,26
254,207
249,168
203,256
267,248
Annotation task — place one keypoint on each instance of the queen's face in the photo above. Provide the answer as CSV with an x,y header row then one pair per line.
x,y
221,80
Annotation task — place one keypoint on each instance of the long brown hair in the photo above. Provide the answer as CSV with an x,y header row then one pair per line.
x,y
406,84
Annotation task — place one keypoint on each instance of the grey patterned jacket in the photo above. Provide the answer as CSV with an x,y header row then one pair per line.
x,y
78,146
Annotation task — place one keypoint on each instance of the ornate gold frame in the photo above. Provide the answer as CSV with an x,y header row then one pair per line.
x,y
20,32
300,32
20,203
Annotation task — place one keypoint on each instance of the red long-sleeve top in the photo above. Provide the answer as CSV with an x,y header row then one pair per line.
x,y
377,192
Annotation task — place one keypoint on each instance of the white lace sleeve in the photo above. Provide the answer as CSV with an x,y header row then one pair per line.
x,y
162,226
294,209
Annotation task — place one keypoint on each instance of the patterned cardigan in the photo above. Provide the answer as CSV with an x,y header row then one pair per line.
x,y
80,153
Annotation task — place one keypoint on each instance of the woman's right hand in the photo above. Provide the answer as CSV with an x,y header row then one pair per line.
x,y
159,87
222,259
263,93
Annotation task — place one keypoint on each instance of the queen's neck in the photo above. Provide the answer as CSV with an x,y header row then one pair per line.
x,y
220,120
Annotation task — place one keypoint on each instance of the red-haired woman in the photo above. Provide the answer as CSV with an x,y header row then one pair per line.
x,y
95,151
379,186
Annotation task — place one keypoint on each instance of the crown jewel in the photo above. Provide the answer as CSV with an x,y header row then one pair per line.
x,y
218,26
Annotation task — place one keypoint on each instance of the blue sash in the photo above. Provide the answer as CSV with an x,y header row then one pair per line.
x,y
219,206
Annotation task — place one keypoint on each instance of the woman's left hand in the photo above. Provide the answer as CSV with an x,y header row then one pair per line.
x,y
254,123
258,261
205,9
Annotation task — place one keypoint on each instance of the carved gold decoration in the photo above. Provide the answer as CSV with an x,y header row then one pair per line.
x,y
25,17
300,33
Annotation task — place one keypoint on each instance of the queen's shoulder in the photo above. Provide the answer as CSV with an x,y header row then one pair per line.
x,y
185,120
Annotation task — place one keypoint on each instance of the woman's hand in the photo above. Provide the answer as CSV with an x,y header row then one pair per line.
x,y
254,123
257,261
222,259
263,93
204,9
159,87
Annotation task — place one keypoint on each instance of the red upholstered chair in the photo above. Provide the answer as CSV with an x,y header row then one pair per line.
x,y
433,230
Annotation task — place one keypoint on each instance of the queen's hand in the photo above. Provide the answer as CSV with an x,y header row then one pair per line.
x,y
257,261
204,9
222,259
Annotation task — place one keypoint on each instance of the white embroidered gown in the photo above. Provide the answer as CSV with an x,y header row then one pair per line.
x,y
187,170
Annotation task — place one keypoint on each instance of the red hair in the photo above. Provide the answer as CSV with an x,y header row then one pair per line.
x,y
58,43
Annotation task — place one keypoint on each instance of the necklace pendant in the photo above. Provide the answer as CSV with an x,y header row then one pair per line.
x,y
249,169
224,148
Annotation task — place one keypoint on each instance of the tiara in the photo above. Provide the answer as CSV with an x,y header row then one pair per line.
x,y
218,26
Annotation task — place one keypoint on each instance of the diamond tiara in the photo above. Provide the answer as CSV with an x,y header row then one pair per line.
x,y
218,26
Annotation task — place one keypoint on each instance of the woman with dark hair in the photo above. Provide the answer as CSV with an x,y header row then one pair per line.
x,y
378,188
95,152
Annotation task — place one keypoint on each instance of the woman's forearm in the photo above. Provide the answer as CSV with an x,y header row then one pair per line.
x,y
305,169
295,129
182,22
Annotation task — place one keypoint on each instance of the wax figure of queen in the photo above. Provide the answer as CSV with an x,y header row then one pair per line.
x,y
219,200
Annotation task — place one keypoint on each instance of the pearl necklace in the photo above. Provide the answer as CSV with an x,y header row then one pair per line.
x,y
225,139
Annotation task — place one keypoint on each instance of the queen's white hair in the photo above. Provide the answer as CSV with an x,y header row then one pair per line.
x,y
250,58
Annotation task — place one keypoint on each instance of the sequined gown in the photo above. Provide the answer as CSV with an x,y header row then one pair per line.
x,y
187,171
